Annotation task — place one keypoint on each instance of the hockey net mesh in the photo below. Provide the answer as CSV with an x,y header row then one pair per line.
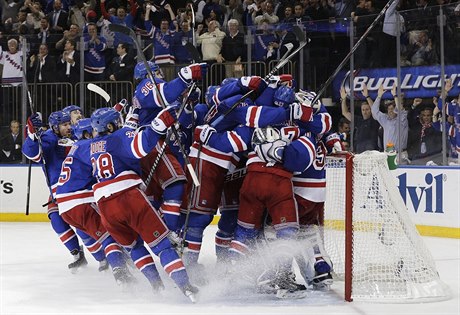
x,y
390,261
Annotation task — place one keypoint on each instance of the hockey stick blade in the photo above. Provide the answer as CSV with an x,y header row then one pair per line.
x,y
299,33
120,29
98,90
193,52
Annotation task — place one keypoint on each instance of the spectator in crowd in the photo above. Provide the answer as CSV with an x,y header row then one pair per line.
x,y
121,18
387,41
286,40
59,19
94,57
198,6
424,141
263,43
266,14
299,17
366,128
11,144
15,24
420,50
68,66
72,34
9,10
234,10
35,15
215,10
77,14
210,41
395,115
122,67
12,63
343,129
233,50
45,35
163,37
288,16
42,67
183,36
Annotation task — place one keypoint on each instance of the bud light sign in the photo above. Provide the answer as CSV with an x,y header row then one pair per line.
x,y
422,82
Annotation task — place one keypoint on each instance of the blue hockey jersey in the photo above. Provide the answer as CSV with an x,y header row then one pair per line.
x,y
75,184
115,159
53,155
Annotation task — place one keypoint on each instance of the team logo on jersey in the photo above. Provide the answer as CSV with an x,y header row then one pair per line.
x,y
156,234
98,233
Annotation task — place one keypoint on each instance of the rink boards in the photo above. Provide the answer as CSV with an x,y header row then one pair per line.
x,y
431,195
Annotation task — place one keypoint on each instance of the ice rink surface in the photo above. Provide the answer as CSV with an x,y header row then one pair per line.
x,y
34,279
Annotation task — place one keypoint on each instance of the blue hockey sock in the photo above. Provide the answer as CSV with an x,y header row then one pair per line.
x,y
113,252
171,262
224,234
144,261
94,247
170,207
64,231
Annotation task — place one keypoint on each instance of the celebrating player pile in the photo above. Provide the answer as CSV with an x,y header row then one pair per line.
x,y
257,147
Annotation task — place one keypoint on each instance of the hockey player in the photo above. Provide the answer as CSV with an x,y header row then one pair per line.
x,y
219,150
44,148
169,178
74,112
125,210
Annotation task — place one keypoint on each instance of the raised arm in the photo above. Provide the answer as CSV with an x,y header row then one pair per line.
x,y
343,100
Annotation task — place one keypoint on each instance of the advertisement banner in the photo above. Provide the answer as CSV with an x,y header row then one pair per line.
x,y
431,195
422,82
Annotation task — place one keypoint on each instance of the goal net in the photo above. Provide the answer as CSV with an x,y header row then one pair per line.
x,y
374,246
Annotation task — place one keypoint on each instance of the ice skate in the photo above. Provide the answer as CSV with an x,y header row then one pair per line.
x,y
197,274
103,265
191,292
282,284
157,286
323,279
123,277
79,260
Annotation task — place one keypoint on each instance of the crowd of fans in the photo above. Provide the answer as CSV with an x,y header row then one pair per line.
x,y
54,28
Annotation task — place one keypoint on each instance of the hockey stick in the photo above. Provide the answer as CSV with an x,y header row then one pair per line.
x,y
196,57
193,25
285,59
353,49
29,167
98,90
168,138
40,147
128,31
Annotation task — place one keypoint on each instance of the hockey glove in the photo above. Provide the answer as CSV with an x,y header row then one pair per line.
x,y
271,152
301,112
165,119
253,83
120,105
277,80
132,118
34,124
333,143
194,72
203,133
